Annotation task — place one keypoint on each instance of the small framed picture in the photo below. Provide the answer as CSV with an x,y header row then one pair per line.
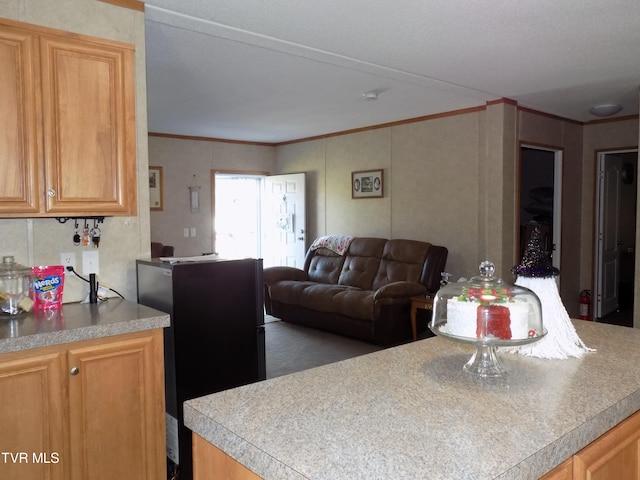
x,y
155,188
367,184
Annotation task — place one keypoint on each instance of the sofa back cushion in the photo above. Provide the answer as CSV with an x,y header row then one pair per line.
x,y
324,266
402,260
361,262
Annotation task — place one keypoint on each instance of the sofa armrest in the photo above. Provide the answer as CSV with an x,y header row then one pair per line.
x,y
399,290
273,275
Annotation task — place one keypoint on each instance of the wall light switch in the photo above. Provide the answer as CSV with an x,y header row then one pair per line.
x,y
90,262
193,231
185,232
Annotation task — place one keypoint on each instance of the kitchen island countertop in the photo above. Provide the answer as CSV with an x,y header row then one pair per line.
x,y
77,321
410,412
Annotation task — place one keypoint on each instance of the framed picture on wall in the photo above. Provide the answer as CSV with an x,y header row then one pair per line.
x,y
155,188
367,184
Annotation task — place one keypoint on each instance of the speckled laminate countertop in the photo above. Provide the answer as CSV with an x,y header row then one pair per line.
x,y
410,412
76,322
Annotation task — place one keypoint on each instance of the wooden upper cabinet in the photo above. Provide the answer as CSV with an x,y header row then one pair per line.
x,y
19,128
71,132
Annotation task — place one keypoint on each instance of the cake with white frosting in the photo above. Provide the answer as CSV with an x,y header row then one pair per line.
x,y
494,313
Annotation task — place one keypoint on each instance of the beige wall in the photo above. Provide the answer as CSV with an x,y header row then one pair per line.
x,y
40,241
453,181
182,159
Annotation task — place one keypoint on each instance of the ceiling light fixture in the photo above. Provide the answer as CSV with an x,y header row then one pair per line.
x,y
605,109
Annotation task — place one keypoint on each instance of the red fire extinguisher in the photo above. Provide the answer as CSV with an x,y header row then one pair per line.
x,y
585,304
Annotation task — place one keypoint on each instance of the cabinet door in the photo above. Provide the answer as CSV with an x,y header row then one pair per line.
x,y
89,126
210,463
19,132
33,417
116,399
564,471
615,455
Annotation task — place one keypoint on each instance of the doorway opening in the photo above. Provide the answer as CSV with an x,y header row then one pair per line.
x,y
257,215
540,198
615,236
237,201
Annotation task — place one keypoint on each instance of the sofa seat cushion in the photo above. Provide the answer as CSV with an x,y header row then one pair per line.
x,y
355,303
289,291
321,297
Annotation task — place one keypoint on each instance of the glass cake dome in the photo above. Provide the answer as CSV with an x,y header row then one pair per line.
x,y
489,313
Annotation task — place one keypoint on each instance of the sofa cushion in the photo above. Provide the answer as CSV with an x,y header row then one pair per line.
x,y
402,260
320,297
355,303
289,291
325,266
362,262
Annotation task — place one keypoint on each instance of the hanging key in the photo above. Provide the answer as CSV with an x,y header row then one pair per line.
x,y
76,235
85,236
95,236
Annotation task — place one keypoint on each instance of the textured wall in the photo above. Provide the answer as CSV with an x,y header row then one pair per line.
x,y
182,159
40,241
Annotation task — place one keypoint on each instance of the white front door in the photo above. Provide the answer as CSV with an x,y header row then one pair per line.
x,y
608,254
284,220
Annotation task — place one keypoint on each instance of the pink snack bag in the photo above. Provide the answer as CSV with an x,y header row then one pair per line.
x,y
48,283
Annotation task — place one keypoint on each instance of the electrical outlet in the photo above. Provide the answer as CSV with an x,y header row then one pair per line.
x,y
68,260
90,262
185,232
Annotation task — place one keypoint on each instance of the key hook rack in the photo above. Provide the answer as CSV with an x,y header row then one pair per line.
x,y
84,219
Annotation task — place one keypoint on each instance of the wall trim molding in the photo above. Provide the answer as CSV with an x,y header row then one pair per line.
x,y
209,139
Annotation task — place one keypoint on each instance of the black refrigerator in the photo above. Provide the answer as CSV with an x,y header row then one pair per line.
x,y
216,337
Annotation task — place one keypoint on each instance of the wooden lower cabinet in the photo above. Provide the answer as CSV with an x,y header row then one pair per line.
x,y
33,416
85,410
614,455
564,471
211,463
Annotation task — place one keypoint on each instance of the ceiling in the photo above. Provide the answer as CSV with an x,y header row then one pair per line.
x,y
281,70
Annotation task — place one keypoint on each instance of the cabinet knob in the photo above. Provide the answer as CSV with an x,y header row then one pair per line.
x,y
74,371
51,192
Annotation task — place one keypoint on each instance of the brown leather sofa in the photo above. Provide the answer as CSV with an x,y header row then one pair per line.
x,y
364,293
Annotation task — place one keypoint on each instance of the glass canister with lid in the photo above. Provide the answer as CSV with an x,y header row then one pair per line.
x,y
14,287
